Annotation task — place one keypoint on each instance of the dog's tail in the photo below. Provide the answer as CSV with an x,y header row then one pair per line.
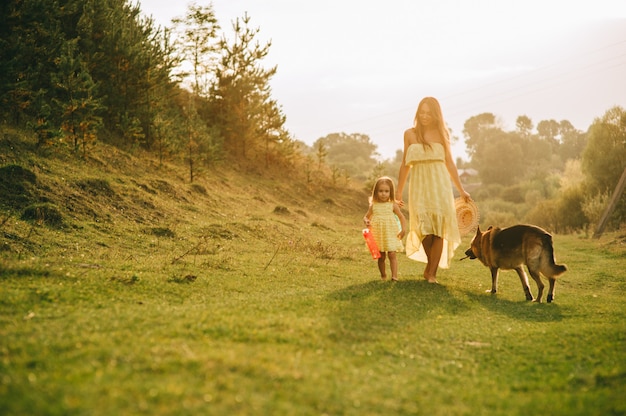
x,y
554,270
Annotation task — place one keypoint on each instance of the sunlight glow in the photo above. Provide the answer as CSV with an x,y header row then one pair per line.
x,y
343,64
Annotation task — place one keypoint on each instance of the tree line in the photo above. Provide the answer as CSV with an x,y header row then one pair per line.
x,y
77,71
550,174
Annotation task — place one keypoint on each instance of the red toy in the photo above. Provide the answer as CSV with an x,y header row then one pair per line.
x,y
371,244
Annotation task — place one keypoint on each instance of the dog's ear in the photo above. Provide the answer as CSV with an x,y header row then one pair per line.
x,y
490,227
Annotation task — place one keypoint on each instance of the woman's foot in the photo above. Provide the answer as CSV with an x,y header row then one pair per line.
x,y
430,278
394,279
384,277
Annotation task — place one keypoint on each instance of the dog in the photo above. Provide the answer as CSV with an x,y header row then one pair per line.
x,y
511,248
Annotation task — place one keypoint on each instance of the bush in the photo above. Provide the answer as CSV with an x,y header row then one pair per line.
x,y
562,214
47,214
499,205
162,232
533,197
16,173
514,193
281,210
544,214
499,219
570,209
17,184
488,192
96,187
593,206
500,213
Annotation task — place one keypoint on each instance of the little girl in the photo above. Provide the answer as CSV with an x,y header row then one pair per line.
x,y
384,226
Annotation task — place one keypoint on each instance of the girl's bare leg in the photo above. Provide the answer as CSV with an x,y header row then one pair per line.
x,y
393,261
381,265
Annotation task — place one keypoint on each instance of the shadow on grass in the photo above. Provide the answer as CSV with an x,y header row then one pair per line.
x,y
521,310
35,272
369,310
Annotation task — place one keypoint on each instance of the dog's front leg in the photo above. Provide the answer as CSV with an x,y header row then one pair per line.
x,y
494,279
524,279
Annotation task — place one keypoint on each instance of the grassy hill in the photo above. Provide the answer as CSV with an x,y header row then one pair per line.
x,y
114,200
125,289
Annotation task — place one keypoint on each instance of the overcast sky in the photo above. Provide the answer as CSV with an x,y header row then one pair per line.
x,y
362,66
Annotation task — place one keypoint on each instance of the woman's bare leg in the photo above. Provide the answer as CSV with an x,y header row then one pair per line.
x,y
436,249
427,243
433,247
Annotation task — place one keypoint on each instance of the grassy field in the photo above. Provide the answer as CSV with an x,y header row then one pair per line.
x,y
126,290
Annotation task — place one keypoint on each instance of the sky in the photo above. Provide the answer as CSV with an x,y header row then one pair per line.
x,y
359,66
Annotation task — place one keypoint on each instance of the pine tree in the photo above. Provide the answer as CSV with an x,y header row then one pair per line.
x,y
249,119
75,98
198,41
31,39
127,56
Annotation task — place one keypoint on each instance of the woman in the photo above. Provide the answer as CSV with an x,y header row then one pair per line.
x,y
433,229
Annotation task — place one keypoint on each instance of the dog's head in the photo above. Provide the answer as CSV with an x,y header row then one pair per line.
x,y
470,254
475,250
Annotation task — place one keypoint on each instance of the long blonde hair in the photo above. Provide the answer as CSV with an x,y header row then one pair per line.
x,y
380,181
435,108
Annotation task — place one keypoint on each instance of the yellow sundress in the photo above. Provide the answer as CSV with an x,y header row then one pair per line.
x,y
431,203
385,227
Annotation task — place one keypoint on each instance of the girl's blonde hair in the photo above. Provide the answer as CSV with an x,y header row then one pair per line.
x,y
383,180
435,108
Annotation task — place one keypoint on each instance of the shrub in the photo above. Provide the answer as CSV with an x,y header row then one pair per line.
x,y
488,192
46,213
570,210
279,209
593,206
96,187
162,232
16,173
16,183
544,214
514,193
499,219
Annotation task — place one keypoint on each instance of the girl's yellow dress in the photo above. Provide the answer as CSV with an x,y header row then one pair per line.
x,y
431,203
385,228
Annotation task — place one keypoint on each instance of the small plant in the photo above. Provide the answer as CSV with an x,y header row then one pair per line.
x,y
43,214
189,278
163,232
96,186
281,210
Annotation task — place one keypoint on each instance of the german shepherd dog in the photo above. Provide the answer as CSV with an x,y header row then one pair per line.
x,y
511,248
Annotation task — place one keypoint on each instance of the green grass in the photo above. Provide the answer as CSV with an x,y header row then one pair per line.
x,y
158,297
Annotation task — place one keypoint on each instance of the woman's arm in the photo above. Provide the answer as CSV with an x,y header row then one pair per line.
x,y
404,169
454,173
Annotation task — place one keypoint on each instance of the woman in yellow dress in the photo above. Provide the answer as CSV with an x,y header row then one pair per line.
x,y
427,162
